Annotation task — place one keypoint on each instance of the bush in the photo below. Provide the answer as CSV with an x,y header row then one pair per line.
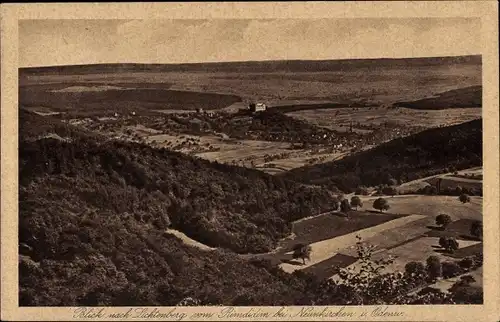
x,y
450,244
466,263
464,198
361,191
450,269
345,207
389,191
476,229
464,294
415,271
443,220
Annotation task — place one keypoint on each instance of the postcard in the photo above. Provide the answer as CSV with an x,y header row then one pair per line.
x,y
293,161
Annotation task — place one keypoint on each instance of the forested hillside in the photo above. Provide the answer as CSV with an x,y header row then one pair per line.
x,y
93,215
423,154
221,205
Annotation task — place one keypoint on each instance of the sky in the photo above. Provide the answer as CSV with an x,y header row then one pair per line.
x,y
71,42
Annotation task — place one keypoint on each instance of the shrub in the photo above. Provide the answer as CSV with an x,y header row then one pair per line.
x,y
415,271
476,229
464,198
465,294
389,191
466,263
362,191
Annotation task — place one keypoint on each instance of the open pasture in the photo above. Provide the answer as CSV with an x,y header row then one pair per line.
x,y
432,206
419,250
411,235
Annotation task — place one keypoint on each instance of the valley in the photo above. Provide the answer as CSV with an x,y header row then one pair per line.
x,y
160,183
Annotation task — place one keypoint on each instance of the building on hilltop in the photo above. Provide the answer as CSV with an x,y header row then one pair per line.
x,y
257,107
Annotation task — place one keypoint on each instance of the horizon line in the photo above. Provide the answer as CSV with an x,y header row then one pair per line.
x,y
254,61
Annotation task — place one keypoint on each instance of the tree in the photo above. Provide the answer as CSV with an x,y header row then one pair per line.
x,y
356,202
443,241
450,244
302,251
476,229
433,267
450,269
367,278
443,220
466,263
345,207
464,198
415,271
381,204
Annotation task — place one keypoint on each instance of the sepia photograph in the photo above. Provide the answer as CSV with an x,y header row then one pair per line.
x,y
250,162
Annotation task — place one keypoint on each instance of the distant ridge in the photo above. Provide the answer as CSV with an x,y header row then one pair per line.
x,y
254,66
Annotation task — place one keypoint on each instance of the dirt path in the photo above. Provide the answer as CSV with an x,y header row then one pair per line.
x,y
187,240
325,249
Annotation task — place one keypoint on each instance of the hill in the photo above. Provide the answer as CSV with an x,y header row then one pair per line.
x,y
463,97
220,205
346,82
97,99
93,215
253,66
423,154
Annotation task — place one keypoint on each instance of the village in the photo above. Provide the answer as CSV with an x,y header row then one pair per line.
x,y
223,135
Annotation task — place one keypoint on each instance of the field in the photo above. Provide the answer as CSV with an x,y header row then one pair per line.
x,y
367,119
468,178
408,232
217,86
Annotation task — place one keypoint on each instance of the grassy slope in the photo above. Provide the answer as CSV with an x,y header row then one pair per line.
x,y
121,100
463,97
408,158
